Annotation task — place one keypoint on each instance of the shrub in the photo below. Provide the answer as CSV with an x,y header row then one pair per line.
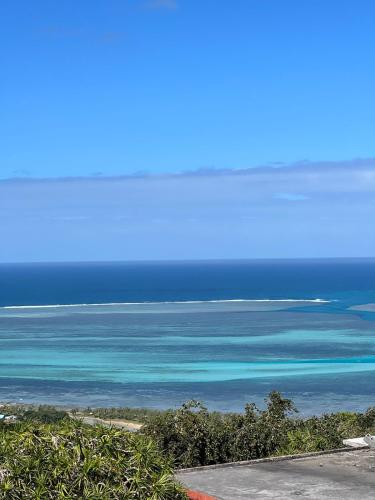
x,y
44,414
125,413
69,460
193,436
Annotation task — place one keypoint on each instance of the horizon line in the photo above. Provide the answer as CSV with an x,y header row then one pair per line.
x,y
203,260
194,172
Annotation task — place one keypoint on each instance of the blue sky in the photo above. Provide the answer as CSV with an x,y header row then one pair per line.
x,y
121,86
190,129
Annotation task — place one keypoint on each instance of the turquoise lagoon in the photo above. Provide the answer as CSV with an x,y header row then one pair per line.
x,y
157,334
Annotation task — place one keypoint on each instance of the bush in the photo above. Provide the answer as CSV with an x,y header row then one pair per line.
x,y
30,413
66,459
125,413
44,414
69,460
192,436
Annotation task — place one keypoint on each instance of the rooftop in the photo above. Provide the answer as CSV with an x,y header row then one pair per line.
x,y
343,475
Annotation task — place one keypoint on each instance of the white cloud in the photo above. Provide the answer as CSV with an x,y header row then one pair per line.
x,y
257,212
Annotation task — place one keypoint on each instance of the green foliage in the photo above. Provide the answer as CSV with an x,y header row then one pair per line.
x,y
192,436
68,460
367,420
262,433
133,414
47,455
44,414
30,413
327,431
184,434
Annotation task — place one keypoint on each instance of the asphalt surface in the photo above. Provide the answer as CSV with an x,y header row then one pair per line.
x,y
348,475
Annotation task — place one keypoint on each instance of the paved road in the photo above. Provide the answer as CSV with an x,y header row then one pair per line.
x,y
346,475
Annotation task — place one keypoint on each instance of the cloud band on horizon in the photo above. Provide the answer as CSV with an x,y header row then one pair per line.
x,y
307,209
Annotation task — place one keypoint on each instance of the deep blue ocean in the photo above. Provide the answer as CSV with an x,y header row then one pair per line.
x,y
156,334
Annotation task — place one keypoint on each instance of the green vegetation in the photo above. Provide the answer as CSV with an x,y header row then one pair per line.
x,y
29,413
48,455
141,415
68,460
44,415
193,436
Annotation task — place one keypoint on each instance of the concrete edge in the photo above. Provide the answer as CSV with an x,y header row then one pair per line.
x,y
280,458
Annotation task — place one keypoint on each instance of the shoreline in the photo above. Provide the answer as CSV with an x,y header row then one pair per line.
x,y
308,404
79,411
